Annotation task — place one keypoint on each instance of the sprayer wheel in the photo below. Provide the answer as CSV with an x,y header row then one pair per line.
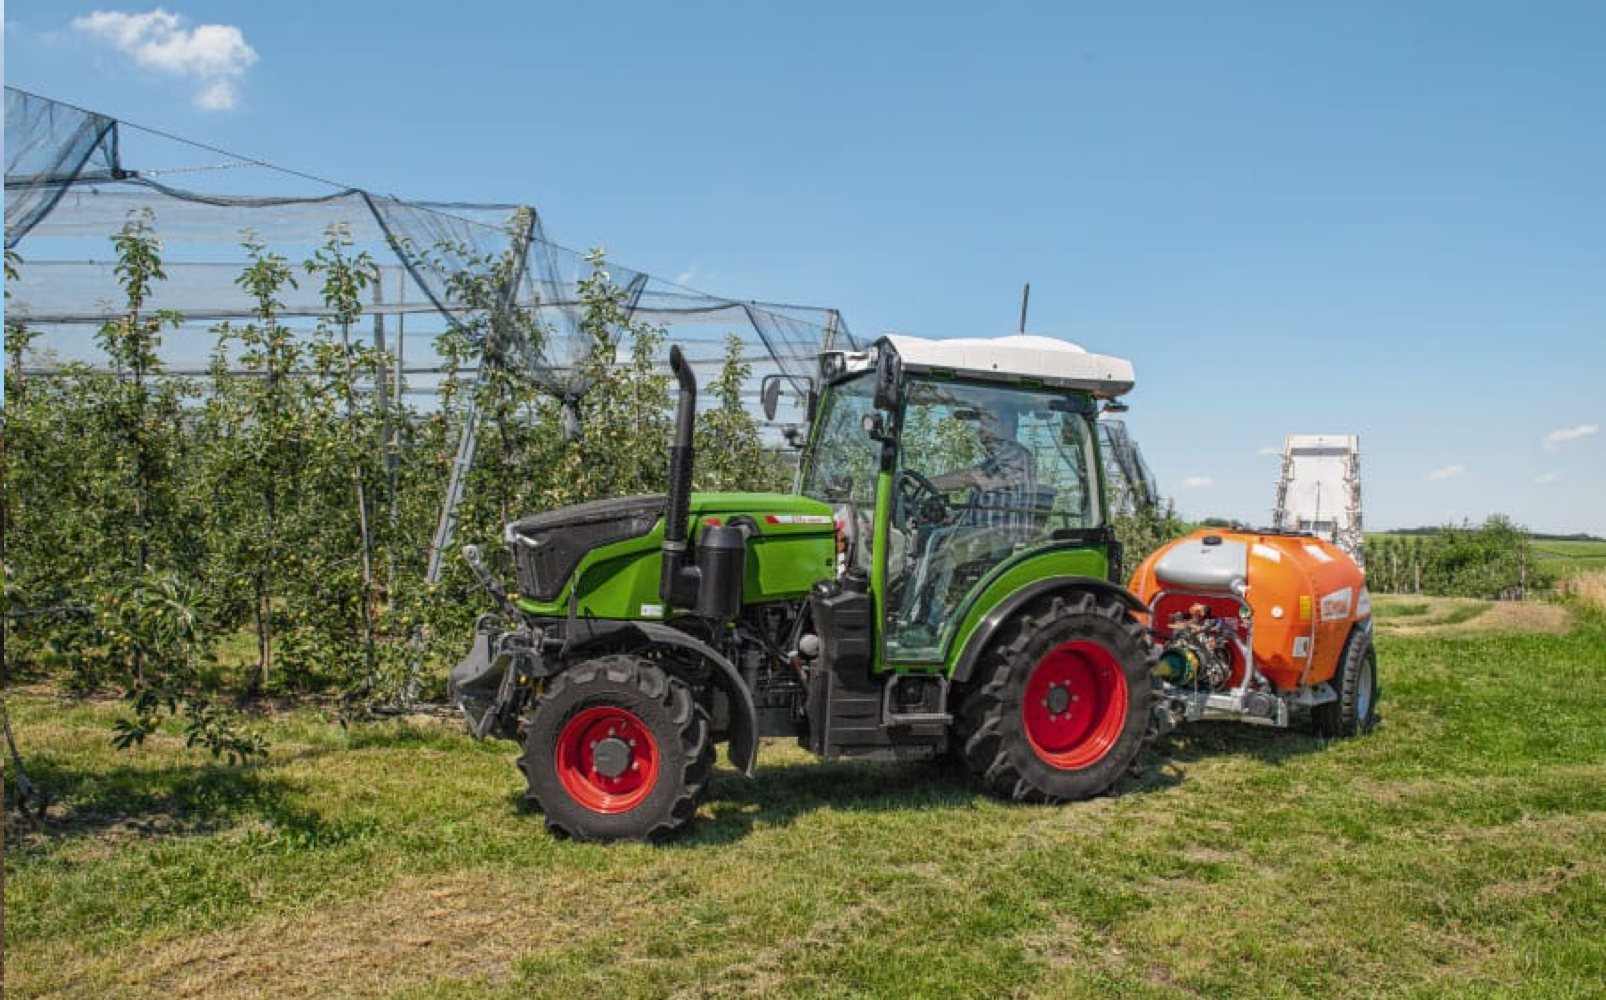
x,y
616,749
1065,707
1355,711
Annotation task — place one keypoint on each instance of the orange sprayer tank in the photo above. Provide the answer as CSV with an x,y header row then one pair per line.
x,y
1304,595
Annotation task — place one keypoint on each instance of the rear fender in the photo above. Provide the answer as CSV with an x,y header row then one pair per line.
x,y
982,637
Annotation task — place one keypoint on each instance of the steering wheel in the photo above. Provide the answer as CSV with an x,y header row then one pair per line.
x,y
922,501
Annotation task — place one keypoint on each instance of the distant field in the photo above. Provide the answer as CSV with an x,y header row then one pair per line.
x,y
1570,558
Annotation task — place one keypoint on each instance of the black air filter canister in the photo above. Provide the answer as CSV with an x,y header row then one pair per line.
x,y
722,560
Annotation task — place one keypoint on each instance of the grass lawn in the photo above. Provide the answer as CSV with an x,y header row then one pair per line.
x,y
1454,852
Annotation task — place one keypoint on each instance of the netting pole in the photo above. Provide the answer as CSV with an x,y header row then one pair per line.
x,y
381,383
394,460
368,604
401,330
467,443
447,523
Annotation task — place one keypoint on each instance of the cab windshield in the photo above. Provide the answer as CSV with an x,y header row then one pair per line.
x,y
984,472
841,464
840,467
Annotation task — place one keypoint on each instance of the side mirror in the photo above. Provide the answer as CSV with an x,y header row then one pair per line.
x,y
888,377
1115,406
875,426
769,395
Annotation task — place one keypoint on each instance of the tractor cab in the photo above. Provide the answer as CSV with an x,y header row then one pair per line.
x,y
961,458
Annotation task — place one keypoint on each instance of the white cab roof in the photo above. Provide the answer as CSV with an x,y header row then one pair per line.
x,y
1056,363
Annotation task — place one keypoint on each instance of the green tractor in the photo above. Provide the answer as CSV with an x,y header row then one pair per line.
x,y
944,581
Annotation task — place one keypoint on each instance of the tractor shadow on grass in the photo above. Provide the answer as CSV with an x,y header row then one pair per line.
x,y
1165,763
780,793
131,801
777,794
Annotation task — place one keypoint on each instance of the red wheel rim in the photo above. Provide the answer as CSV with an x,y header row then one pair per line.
x,y
607,759
1075,705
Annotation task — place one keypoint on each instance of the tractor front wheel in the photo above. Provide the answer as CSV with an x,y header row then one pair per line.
x,y
616,749
1064,709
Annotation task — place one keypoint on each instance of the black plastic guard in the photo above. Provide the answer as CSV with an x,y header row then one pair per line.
x,y
474,682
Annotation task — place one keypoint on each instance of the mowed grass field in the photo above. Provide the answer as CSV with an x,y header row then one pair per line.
x,y
1456,851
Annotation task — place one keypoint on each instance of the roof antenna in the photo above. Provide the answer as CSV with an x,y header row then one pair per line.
x,y
1025,298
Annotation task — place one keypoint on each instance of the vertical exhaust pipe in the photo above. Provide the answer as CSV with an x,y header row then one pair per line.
x,y
679,584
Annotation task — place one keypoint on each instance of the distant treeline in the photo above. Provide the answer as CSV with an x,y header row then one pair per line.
x,y
1494,559
1537,536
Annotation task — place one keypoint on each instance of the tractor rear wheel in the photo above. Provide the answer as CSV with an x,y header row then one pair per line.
x,y
1355,710
1065,707
616,749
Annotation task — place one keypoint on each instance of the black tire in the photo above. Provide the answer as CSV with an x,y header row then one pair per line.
x,y
993,725
1355,711
654,709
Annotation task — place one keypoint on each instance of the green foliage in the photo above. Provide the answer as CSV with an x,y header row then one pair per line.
x,y
104,555
160,620
1145,529
1493,559
730,455
258,435
293,501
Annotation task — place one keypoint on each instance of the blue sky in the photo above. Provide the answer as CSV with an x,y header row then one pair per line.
x,y
1383,219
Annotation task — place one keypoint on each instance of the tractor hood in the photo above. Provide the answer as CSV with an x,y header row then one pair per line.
x,y
615,544
548,546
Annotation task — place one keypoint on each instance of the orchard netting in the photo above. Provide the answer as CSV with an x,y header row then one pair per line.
x,y
74,178
233,417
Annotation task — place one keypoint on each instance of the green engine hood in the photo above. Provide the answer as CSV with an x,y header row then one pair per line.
x,y
793,545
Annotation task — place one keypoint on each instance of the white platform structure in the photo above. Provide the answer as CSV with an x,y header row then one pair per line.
x,y
1319,489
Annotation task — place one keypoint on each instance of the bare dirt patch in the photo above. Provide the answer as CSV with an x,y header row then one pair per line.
x,y
415,930
1524,616
1465,616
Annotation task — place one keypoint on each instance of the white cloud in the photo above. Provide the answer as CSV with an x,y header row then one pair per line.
x,y
1198,482
1555,439
1455,471
216,96
214,56
1546,479
1268,450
